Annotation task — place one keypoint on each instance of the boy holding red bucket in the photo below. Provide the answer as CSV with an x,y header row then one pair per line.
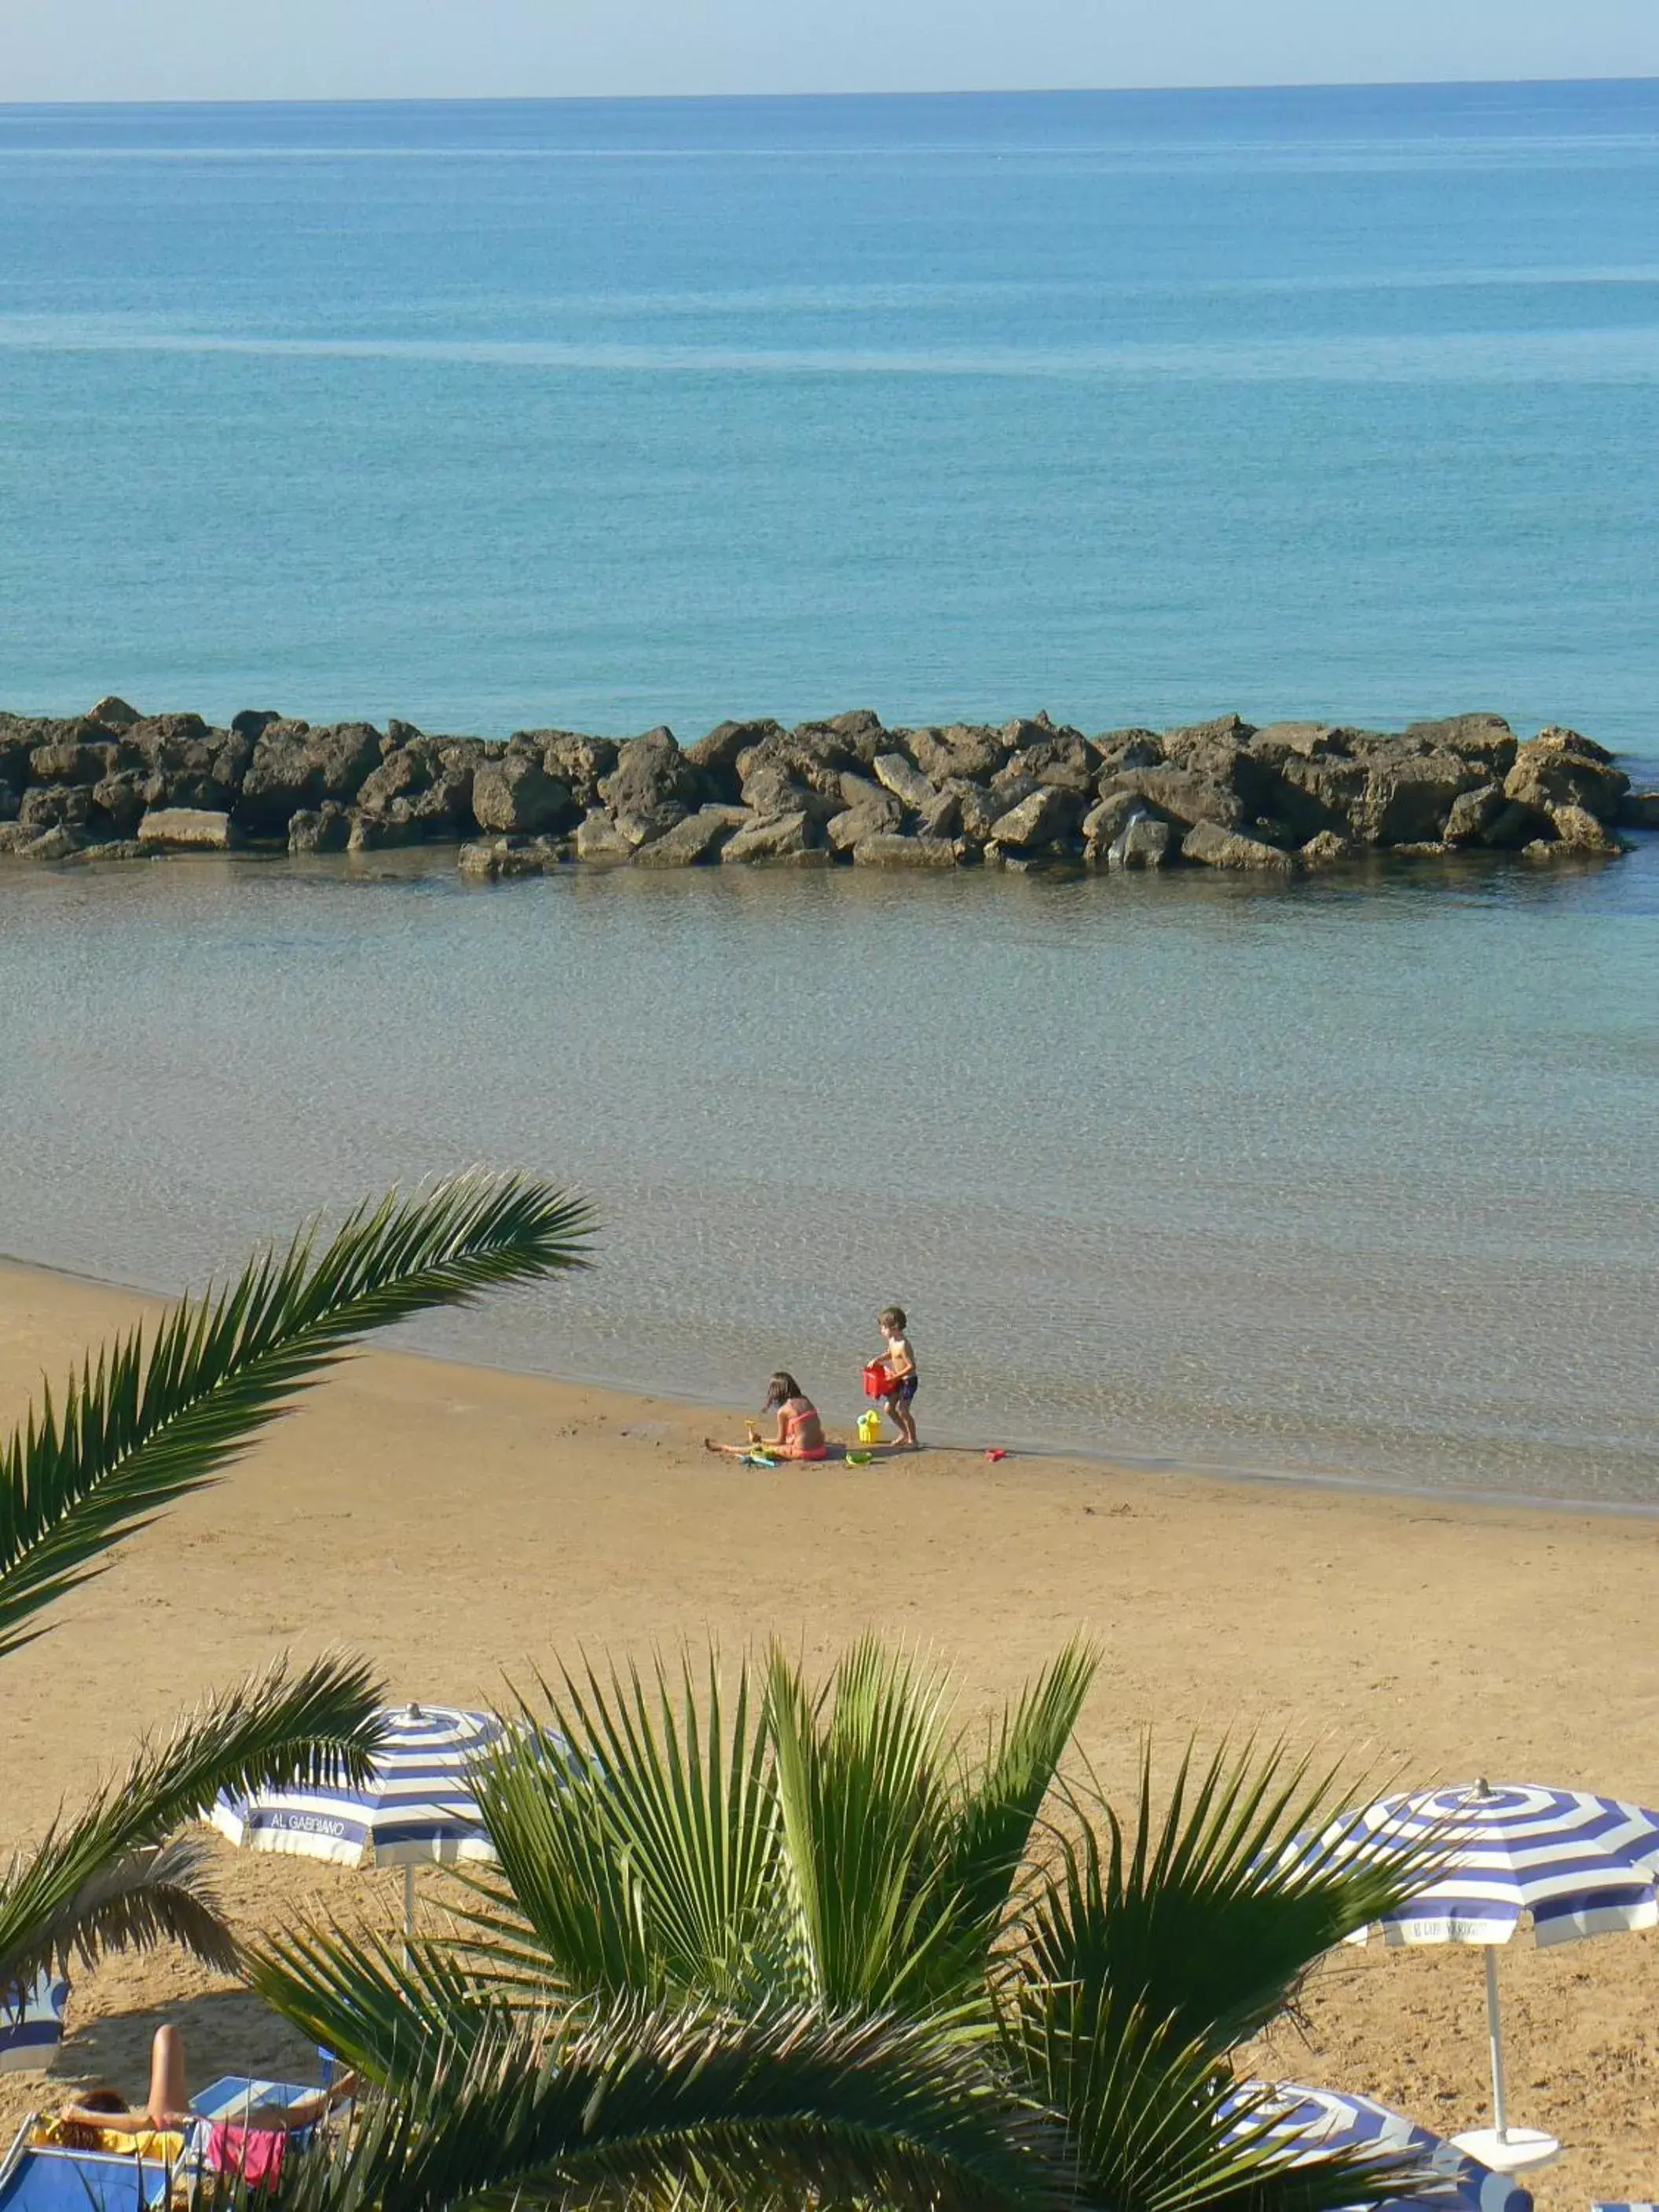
x,y
892,1378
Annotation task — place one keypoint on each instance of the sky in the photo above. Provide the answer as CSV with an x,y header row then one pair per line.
x,y
68,50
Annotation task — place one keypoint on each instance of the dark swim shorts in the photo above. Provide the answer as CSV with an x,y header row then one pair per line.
x,y
903,1389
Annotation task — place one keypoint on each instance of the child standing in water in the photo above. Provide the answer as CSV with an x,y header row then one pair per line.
x,y
901,1359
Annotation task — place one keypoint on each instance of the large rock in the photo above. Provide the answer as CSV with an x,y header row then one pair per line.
x,y
597,837
877,817
189,765
516,797
325,829
1182,794
893,851
1560,767
857,735
653,780
1383,792
977,811
1278,742
55,806
1115,751
904,780
942,815
581,764
192,828
497,859
1472,813
60,842
1512,826
715,758
791,777
118,803
1062,763
1484,737
1225,848
294,767
421,790
1639,810
966,750
114,714
778,839
252,722
1144,841
693,841
73,763
1036,821
1106,820
1578,829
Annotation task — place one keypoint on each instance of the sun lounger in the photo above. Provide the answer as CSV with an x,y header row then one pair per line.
x,y
233,2099
41,2177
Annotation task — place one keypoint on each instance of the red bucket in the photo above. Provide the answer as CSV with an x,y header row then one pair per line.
x,y
877,1380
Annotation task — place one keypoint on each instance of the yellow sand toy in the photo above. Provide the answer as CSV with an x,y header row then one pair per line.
x,y
870,1427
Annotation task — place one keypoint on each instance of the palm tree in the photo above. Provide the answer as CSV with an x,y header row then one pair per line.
x,y
728,1869
161,1414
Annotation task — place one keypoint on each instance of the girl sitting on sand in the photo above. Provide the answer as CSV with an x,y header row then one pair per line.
x,y
800,1432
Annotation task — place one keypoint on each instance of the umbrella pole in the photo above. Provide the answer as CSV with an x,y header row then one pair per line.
x,y
409,1906
1495,2042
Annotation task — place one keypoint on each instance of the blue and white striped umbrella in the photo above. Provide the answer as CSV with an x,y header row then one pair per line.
x,y
32,2022
1578,1865
1572,1863
417,1802
1324,2120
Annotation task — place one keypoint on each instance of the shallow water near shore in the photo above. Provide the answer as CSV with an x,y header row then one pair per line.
x,y
1136,407
1357,1176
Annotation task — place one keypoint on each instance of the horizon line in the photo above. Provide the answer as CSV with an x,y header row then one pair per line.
x,y
919,92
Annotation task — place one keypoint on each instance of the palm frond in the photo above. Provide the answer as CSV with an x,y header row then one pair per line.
x,y
1208,1912
1145,2121
402,2015
319,1720
644,2100
637,1830
861,1774
997,1799
155,1418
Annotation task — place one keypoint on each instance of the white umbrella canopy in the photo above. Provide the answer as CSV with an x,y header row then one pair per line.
x,y
1564,1862
417,1804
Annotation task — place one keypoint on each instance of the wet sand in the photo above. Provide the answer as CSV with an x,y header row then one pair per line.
x,y
460,1525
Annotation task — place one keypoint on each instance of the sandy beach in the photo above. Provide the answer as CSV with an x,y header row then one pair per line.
x,y
459,1524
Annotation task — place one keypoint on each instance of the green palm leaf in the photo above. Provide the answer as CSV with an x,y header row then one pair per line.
x,y
996,1800
1143,2115
107,1878
903,1849
1207,1915
154,1419
637,1837
644,2101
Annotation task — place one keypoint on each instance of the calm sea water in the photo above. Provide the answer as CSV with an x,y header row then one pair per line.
x,y
1132,406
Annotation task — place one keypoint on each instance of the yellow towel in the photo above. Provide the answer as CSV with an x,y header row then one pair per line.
x,y
164,2145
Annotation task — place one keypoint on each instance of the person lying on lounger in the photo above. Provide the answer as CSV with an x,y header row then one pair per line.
x,y
104,2110
800,1434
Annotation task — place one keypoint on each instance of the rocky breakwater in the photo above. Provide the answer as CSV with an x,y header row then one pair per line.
x,y
1028,794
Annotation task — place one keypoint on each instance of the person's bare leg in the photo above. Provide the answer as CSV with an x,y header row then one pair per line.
x,y
167,2095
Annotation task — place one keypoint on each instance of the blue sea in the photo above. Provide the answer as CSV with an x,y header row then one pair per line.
x,y
1135,407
